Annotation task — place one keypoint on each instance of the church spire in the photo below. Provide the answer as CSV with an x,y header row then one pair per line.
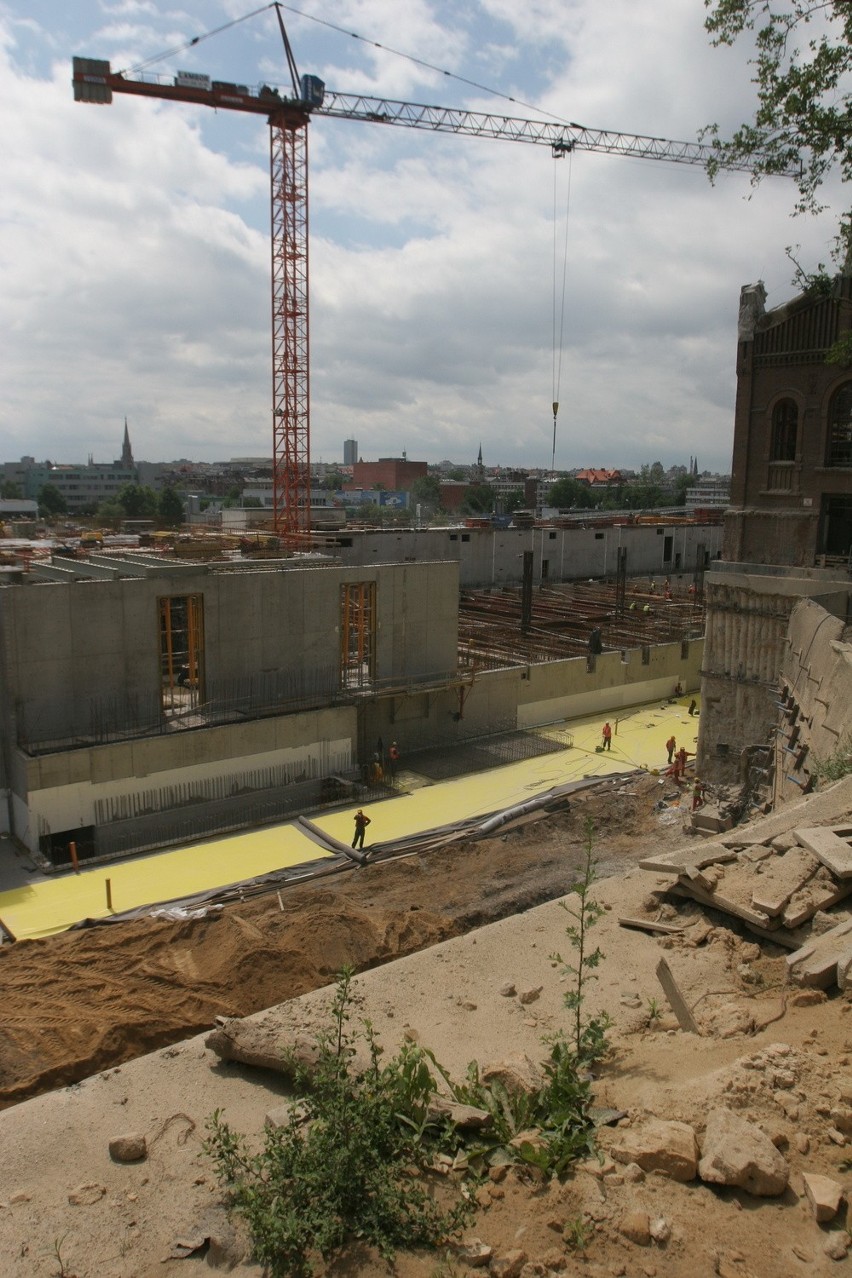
x,y
126,450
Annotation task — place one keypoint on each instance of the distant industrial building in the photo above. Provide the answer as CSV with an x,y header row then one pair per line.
x,y
350,452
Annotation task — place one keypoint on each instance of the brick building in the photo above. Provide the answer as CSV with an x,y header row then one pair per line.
x,y
791,488
788,530
396,474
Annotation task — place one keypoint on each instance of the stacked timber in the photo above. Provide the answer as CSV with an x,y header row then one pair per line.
x,y
776,889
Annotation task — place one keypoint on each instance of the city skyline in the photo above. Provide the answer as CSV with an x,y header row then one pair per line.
x,y
135,240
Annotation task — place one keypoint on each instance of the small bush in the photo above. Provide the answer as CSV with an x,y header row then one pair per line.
x,y
834,766
348,1164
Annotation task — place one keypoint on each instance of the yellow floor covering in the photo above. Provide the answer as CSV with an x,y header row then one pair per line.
x,y
52,905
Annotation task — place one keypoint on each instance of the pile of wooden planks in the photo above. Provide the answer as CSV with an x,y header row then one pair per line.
x,y
775,888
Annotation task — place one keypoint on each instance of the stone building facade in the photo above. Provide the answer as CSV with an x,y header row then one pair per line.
x,y
791,490
788,531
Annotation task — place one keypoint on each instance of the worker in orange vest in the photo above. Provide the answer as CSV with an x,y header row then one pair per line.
x,y
670,746
607,736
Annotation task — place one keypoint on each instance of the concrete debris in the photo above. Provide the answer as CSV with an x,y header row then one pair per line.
x,y
636,1227
518,1073
509,1265
823,962
660,1146
781,890
466,1116
530,996
831,845
824,1196
736,1152
837,1246
474,1252
678,1004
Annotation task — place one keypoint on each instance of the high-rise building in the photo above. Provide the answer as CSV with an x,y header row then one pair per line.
x,y
350,452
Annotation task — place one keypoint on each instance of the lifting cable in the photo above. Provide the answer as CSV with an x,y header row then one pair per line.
x,y
559,325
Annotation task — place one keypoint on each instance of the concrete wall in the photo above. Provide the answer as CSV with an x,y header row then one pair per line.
x,y
816,685
530,696
489,556
129,779
748,608
79,649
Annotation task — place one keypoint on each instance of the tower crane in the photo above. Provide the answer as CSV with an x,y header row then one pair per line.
x,y
288,117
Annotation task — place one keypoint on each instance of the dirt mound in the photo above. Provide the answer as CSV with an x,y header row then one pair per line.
x,y
77,1003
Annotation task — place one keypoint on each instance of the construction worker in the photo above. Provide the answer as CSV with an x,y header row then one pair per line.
x,y
680,763
698,792
607,736
393,759
671,745
361,823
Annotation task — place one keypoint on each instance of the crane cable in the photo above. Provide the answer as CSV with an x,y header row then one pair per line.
x,y
189,44
276,4
559,339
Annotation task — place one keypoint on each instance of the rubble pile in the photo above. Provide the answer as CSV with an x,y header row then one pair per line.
x,y
780,889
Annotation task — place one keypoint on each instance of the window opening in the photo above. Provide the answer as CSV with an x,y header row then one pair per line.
x,y
181,652
839,450
785,424
357,633
668,546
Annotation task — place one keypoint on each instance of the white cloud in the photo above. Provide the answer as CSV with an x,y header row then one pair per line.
x,y
135,255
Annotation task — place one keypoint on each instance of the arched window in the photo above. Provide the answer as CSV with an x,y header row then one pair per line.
x,y
785,421
839,445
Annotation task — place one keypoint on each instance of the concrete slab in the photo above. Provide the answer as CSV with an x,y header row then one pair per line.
x,y
831,846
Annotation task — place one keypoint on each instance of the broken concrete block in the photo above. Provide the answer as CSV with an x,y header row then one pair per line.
x,y
816,964
831,845
736,1152
823,1194
667,1147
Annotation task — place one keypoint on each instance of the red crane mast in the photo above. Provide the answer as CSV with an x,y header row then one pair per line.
x,y
288,117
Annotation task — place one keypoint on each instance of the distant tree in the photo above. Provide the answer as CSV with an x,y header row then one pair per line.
x,y
10,491
170,507
111,512
479,500
457,473
333,482
511,502
803,117
137,502
51,501
427,491
681,483
570,492
252,503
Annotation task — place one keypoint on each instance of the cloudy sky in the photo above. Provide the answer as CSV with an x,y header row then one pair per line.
x,y
134,238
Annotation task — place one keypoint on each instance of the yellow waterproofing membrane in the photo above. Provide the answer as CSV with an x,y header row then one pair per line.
x,y
638,741
639,735
54,904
